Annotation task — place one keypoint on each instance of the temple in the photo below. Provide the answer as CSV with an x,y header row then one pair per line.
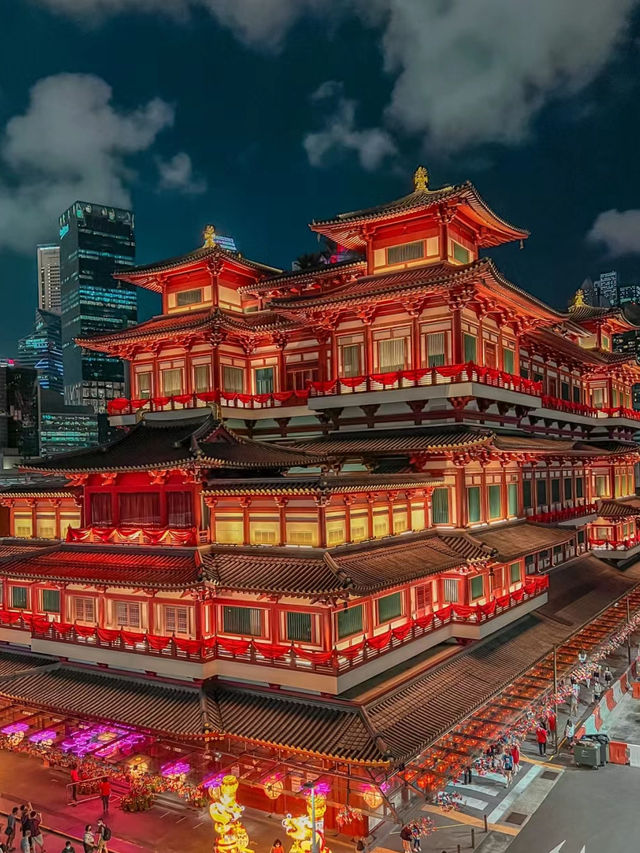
x,y
332,486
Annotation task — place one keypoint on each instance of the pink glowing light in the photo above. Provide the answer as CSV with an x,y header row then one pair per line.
x,y
176,768
44,735
15,729
213,781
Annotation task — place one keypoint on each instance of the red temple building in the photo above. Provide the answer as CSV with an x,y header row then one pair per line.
x,y
324,478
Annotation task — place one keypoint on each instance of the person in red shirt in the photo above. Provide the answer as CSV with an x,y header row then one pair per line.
x,y
541,737
75,778
515,754
551,721
105,793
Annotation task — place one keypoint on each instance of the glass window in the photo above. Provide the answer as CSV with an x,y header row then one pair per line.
x,y
597,398
490,355
188,297
299,627
51,600
172,382
179,509
440,506
201,378
495,502
127,614
477,587
450,588
350,359
568,488
389,607
405,252
391,355
579,487
176,620
473,503
508,362
514,572
526,494
512,498
144,385
264,380
83,610
423,596
470,348
139,508
23,524
602,486
555,490
45,525
19,597
541,492
350,621
435,349
243,620
232,379
576,394
460,254
565,391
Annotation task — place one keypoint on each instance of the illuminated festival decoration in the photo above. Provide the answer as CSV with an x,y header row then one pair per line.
x,y
300,829
273,787
225,812
175,768
45,737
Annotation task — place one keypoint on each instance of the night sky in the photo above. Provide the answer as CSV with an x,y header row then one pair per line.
x,y
260,115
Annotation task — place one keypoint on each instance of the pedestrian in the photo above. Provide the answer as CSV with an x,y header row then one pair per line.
x,y
88,842
597,690
24,819
569,731
360,845
467,775
277,847
406,837
75,778
25,843
105,793
608,678
582,657
573,709
37,839
103,836
10,831
68,848
551,722
415,839
541,737
515,755
507,765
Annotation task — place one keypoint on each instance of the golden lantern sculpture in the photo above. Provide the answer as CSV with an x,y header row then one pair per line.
x,y
225,812
273,787
372,798
300,829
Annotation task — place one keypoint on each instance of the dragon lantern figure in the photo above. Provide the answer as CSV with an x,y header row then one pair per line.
x,y
299,828
225,813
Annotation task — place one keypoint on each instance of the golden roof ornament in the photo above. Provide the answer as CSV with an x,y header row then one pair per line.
x,y
209,237
420,178
578,300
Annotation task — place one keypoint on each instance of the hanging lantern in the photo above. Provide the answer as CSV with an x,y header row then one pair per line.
x,y
273,788
372,798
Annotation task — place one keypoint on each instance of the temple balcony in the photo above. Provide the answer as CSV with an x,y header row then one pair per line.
x,y
575,516
618,550
554,408
124,535
290,665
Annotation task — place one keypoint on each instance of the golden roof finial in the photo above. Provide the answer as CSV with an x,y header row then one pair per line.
x,y
420,178
209,237
578,300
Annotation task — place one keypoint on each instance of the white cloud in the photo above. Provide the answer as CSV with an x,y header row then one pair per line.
x,y
339,133
177,174
73,143
618,230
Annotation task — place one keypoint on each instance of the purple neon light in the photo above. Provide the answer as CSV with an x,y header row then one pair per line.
x,y
176,768
45,734
15,729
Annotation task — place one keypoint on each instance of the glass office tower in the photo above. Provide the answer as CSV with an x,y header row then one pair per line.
x,y
41,349
94,241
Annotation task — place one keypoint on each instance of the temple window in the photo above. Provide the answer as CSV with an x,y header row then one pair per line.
x,y
19,597
417,518
188,297
568,488
201,378
512,499
473,503
470,347
557,554
175,620
541,492
179,509
264,532
100,509
450,589
229,531
565,391
597,396
555,490
440,506
359,526
495,502
232,379
602,486
526,494
508,360
23,524
83,609
46,525
530,564
405,252
248,621
336,532
139,508
144,385
299,627
459,254
389,607
490,355
391,354
350,621
605,342
576,394
302,533
436,354
264,380
380,523
127,614
579,487
172,381
423,597
298,378
51,600
514,573
350,360
476,588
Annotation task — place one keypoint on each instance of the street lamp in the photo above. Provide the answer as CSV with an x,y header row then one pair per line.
x,y
309,786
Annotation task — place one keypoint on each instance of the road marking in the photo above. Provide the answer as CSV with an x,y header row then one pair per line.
x,y
472,821
487,790
473,803
515,792
529,760
558,848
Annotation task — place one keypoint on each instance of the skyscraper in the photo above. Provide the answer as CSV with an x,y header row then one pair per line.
x,y
48,257
607,288
94,240
629,293
41,350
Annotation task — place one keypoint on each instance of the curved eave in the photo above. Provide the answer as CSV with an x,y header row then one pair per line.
x,y
288,280
93,580
117,469
323,489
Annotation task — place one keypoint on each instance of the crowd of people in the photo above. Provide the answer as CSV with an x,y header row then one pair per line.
x,y
23,833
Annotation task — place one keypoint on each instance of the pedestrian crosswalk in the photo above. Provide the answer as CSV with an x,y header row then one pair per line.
x,y
488,794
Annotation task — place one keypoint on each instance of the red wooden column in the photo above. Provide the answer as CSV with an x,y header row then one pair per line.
x,y
348,500
216,339
391,497
281,503
484,495
245,503
34,516
56,509
151,619
416,355
370,502
428,507
457,353
504,492
323,338
211,503
321,503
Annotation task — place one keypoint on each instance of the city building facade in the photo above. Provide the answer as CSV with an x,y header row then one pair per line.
x,y
48,264
321,475
94,241
41,350
607,288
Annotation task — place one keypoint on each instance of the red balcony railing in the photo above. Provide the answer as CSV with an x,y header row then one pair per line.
x,y
621,412
569,406
567,514
262,653
615,544
138,535
124,406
